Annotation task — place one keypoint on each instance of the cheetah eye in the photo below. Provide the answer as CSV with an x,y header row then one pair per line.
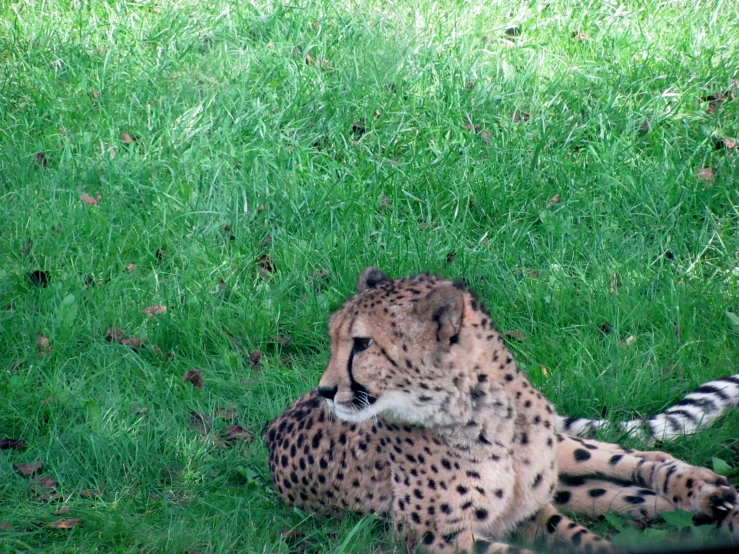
x,y
361,345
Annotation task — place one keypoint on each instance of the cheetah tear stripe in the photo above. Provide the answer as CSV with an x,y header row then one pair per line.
x,y
697,410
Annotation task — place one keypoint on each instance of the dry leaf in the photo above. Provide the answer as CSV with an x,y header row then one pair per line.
x,y
63,510
65,523
554,200
41,159
194,377
544,370
29,469
151,311
615,283
114,334
255,358
43,344
17,365
726,143
133,342
517,335
228,415
706,174
264,262
46,483
283,341
127,139
46,401
580,35
235,433
131,268
200,423
517,116
87,199
52,497
6,526
12,444
90,493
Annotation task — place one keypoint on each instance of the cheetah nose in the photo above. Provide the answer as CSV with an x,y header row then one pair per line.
x,y
328,392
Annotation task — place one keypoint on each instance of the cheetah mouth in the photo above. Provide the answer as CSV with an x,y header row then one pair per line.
x,y
362,397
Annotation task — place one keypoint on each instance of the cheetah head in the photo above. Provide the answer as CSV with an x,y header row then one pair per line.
x,y
402,349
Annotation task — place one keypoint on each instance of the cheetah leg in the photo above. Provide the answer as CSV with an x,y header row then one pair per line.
x,y
559,531
595,497
686,487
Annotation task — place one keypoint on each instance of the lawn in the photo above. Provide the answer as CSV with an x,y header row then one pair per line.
x,y
239,163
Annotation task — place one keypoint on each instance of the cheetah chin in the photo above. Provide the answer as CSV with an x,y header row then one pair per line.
x,y
423,416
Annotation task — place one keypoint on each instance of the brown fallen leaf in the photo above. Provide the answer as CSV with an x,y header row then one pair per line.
x,y
65,523
17,365
151,311
194,377
517,116
615,283
133,342
645,126
29,469
131,268
114,334
283,341
255,358
90,493
43,344
12,444
725,143
716,100
706,174
234,433
544,370
46,483
127,139
554,200
87,199
516,335
63,510
53,497
200,423
41,159
265,265
228,415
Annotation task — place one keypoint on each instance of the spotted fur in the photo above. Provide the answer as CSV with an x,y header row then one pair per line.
x,y
422,415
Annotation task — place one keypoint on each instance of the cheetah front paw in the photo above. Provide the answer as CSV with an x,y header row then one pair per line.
x,y
702,491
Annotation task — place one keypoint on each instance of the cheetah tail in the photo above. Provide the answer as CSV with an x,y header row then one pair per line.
x,y
697,410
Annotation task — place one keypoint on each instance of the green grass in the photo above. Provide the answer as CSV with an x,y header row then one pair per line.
x,y
248,119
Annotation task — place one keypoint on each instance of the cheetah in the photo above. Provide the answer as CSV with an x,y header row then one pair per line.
x,y
422,415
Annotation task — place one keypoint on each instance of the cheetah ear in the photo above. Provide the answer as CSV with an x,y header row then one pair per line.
x,y
370,278
443,307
